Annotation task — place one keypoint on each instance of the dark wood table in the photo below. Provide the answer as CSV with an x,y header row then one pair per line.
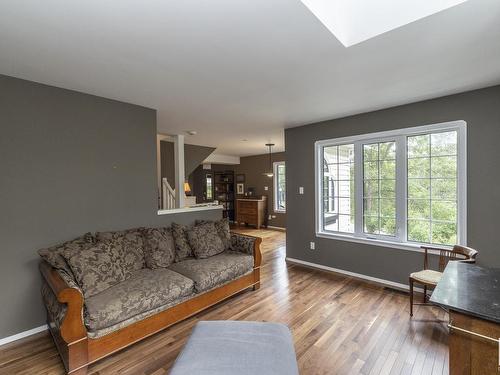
x,y
472,296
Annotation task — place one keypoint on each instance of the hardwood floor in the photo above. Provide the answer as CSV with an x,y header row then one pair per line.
x,y
340,326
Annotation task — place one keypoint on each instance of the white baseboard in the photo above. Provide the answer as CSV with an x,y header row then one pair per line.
x,y
384,282
18,336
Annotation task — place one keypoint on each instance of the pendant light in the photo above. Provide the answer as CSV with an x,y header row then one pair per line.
x,y
270,171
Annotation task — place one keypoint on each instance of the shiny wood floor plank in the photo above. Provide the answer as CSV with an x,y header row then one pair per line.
x,y
340,326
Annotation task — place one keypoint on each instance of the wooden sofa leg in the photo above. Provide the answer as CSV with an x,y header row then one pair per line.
x,y
256,286
411,297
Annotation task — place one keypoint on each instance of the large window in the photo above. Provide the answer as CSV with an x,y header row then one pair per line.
x,y
279,187
403,187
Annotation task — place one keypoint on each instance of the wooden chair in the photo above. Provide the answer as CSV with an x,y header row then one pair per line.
x,y
430,278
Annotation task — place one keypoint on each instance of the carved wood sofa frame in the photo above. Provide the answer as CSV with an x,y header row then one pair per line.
x,y
77,350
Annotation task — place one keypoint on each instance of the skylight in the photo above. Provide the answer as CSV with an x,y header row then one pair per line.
x,y
354,21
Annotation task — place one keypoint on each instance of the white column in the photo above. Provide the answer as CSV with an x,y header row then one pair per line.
x,y
179,170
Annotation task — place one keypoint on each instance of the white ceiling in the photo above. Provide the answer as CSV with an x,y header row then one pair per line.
x,y
243,69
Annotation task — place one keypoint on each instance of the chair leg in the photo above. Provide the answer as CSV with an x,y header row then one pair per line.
x,y
411,297
425,293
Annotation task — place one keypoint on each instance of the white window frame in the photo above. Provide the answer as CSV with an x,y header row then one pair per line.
x,y
400,136
275,183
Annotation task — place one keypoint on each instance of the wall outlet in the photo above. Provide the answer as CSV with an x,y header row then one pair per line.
x,y
301,190
273,216
312,245
266,188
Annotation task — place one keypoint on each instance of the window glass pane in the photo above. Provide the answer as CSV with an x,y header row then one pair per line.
x,y
419,231
346,223
345,206
387,188
434,180
371,170
371,206
387,226
370,152
419,188
346,171
280,191
371,188
330,154
419,168
444,210
344,188
444,166
379,182
387,169
419,208
418,146
444,143
388,207
371,224
387,151
338,188
331,222
346,153
444,233
444,189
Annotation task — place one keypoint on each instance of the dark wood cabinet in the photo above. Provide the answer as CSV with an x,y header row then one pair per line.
x,y
252,211
471,354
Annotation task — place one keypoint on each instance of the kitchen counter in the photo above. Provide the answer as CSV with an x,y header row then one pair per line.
x,y
471,290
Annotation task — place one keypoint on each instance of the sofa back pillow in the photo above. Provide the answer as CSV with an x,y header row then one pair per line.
x,y
99,267
205,240
133,246
223,229
159,249
183,249
53,255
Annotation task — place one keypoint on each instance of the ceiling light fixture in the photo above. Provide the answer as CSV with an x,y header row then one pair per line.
x,y
354,21
270,173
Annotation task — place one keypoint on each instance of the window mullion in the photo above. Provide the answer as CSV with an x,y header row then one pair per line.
x,y
358,188
401,188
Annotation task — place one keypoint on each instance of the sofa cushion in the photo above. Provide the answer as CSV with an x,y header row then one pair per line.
x,y
159,249
54,255
133,246
223,229
97,268
144,290
211,272
205,240
182,248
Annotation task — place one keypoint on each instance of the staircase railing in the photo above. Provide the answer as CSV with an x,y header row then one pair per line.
x,y
168,195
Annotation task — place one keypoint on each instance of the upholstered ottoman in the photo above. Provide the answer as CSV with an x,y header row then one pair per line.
x,y
237,348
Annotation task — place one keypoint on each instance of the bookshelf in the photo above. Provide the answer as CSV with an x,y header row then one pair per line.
x,y
224,192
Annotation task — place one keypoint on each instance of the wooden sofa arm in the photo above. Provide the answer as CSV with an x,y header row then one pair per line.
x,y
257,255
72,327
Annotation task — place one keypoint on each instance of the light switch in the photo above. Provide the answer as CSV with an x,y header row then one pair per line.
x,y
301,190
266,188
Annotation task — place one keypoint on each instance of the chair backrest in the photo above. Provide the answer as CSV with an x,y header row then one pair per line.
x,y
458,253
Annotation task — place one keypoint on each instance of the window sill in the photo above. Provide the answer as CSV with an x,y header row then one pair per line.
x,y
280,211
370,241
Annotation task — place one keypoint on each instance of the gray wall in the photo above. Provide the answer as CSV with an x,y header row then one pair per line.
x,y
69,163
193,156
254,167
480,109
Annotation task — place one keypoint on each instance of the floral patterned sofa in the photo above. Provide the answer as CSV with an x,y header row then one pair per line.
x,y
106,291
